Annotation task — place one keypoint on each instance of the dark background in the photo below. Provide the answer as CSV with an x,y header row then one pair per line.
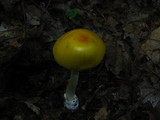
x,y
125,86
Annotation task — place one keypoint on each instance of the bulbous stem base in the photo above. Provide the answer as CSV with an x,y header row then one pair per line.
x,y
71,104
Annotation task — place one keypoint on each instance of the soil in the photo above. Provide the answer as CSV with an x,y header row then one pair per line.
x,y
124,86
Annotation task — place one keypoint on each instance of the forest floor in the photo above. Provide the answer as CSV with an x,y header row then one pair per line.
x,y
125,86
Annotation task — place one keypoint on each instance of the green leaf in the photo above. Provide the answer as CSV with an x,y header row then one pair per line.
x,y
72,13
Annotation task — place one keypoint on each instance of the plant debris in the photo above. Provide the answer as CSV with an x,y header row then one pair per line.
x,y
125,86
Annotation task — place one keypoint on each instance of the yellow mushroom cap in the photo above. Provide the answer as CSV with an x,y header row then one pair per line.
x,y
79,49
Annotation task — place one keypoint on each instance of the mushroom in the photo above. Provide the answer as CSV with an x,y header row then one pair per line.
x,y
77,50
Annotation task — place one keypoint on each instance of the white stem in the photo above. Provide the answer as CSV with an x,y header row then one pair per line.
x,y
71,100
72,84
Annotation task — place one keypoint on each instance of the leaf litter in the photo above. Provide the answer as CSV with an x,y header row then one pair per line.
x,y
124,86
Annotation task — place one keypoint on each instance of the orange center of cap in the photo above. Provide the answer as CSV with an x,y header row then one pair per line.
x,y
83,39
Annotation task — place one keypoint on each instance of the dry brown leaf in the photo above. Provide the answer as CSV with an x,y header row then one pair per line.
x,y
15,43
33,15
118,56
34,108
102,114
111,22
150,93
152,46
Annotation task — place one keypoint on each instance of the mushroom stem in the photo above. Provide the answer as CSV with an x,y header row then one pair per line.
x,y
72,84
71,100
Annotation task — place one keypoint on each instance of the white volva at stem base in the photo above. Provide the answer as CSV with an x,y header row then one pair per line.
x,y
71,104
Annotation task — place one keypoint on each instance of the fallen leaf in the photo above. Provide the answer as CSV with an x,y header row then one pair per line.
x,y
15,42
152,46
102,114
33,15
149,93
33,107
118,56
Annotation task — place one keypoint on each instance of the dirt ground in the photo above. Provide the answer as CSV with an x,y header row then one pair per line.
x,y
124,86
